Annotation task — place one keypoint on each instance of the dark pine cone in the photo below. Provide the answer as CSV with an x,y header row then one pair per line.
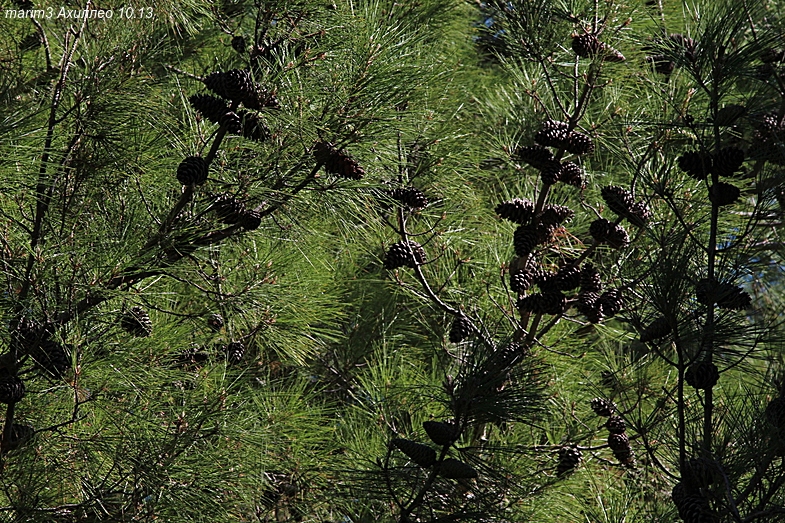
x,y
662,64
567,279
590,279
52,358
725,295
722,193
228,209
619,200
252,127
577,143
210,107
571,174
699,473
235,85
215,322
235,352
586,45
402,255
775,412
608,232
552,134
551,174
250,220
603,407
524,278
452,468
656,330
517,210
611,302
537,156
20,434
421,454
238,44
587,305
555,215
440,432
411,197
337,162
137,322
728,160
639,214
569,459
693,507
524,239
544,303
619,442
231,122
192,171
616,425
460,329
260,99
12,389
702,375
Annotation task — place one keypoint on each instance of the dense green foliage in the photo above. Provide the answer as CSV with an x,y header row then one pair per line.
x,y
357,277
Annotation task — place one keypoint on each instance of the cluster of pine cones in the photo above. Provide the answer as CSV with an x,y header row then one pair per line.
x,y
443,434
618,441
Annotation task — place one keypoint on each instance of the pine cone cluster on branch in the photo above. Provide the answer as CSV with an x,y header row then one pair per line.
x,y
337,162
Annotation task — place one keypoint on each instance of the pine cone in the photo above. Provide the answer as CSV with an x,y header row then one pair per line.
x,y
20,435
210,107
639,214
603,407
440,432
544,303
775,412
525,239
722,194
215,322
662,64
422,455
231,122
698,473
590,279
608,232
411,197
586,45
228,209
238,44
452,468
552,134
12,389
137,322
551,174
235,352
337,162
52,358
611,302
250,220
461,329
569,459
725,295
517,210
702,375
728,115
577,143
619,442
402,255
616,425
553,215
656,330
235,85
566,279
192,171
571,174
252,127
619,200
537,156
